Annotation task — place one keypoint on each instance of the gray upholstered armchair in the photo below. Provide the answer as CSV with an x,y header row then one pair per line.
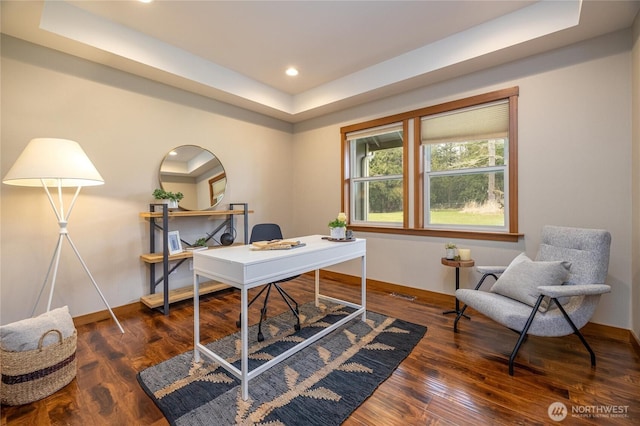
x,y
529,296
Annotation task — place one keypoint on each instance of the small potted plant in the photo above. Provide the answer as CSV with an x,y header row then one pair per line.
x,y
170,198
338,227
451,250
199,244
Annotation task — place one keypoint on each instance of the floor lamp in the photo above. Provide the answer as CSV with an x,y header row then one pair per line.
x,y
60,163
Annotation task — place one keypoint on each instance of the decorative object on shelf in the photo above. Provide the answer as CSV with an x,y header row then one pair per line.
x,y
175,246
227,239
61,163
199,244
465,254
451,251
170,198
338,226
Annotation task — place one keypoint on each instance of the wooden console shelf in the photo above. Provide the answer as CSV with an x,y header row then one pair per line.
x,y
159,221
159,257
179,294
190,213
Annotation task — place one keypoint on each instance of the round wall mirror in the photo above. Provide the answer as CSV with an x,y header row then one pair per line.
x,y
195,172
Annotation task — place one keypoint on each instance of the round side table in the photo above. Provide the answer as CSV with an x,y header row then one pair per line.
x,y
457,264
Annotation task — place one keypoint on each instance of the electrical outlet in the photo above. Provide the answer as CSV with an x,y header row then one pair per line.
x,y
191,265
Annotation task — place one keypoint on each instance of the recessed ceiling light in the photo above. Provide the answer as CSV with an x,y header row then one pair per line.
x,y
145,1
291,72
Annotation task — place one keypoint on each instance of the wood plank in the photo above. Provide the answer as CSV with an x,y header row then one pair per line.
x,y
158,257
186,254
179,294
189,213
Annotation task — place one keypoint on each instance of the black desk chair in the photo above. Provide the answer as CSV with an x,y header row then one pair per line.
x,y
268,232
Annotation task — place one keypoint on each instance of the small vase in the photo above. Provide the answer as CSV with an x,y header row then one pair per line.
x,y
171,204
338,233
451,254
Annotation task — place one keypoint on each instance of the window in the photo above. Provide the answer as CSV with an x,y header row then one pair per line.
x,y
377,175
459,181
465,156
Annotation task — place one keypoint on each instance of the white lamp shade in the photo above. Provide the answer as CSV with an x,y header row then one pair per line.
x,y
53,162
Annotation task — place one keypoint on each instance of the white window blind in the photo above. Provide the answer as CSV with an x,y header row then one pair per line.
x,y
375,131
488,121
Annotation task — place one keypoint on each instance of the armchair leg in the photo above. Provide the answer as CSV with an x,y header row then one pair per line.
x,y
460,315
523,334
576,332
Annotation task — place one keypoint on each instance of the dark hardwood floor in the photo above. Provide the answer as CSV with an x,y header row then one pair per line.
x,y
450,378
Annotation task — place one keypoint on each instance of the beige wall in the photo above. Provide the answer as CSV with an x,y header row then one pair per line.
x,y
635,113
575,168
126,125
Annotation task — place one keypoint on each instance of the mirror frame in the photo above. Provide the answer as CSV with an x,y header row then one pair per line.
x,y
215,191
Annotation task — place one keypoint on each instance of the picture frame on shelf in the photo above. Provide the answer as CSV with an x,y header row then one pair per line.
x,y
175,246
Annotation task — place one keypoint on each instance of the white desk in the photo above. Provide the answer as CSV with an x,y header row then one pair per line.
x,y
243,268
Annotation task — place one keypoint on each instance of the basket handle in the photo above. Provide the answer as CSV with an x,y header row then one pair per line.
x,y
45,335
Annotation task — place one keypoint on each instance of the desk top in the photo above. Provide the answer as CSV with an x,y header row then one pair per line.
x,y
457,263
240,265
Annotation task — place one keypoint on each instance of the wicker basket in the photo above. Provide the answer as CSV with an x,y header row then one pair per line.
x,y
32,375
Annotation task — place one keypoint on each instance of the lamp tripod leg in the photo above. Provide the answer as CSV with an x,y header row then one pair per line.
x,y
55,260
75,250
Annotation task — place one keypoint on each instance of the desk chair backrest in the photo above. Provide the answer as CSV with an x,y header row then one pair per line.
x,y
265,232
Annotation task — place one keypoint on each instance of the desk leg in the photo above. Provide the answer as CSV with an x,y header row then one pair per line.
x,y
457,310
363,286
196,317
244,336
317,286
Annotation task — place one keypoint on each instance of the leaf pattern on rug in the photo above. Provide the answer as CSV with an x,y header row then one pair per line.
x,y
274,330
198,371
217,378
291,376
261,356
322,393
354,367
380,347
260,412
324,354
396,330
353,339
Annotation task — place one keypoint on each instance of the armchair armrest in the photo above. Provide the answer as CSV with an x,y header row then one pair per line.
x,y
573,290
491,269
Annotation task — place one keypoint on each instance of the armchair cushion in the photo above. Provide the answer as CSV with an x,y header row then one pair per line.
x,y
521,279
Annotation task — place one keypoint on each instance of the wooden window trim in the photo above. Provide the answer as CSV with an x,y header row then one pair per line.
x,y
418,176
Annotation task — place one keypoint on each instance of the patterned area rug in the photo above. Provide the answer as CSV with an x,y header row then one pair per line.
x,y
320,385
